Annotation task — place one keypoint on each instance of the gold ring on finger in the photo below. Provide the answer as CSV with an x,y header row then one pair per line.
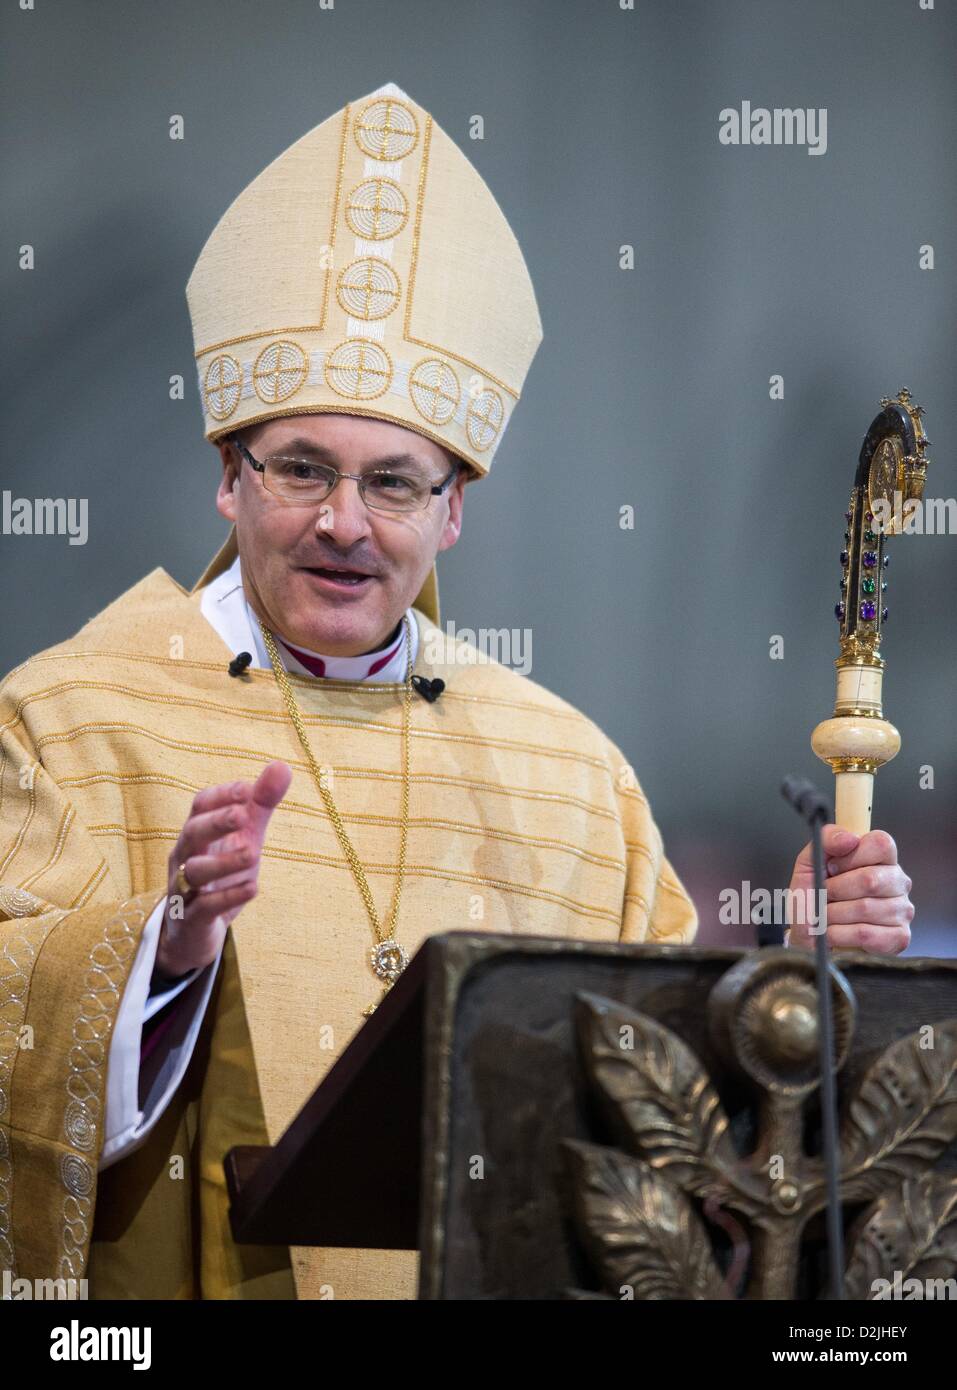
x,y
182,884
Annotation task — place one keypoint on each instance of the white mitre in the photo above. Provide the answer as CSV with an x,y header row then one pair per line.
x,y
367,270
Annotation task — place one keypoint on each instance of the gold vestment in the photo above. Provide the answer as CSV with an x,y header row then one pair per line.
x,y
525,818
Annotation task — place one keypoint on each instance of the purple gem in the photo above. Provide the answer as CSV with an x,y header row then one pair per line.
x,y
883,615
867,611
839,611
843,557
869,515
870,559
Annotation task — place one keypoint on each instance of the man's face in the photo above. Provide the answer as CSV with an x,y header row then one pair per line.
x,y
296,558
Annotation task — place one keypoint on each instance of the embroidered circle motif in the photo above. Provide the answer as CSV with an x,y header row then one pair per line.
x,y
359,368
434,389
377,209
386,129
223,383
77,1175
368,289
279,371
484,418
80,1129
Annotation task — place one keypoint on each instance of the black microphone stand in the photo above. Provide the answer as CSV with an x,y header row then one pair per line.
x,y
813,807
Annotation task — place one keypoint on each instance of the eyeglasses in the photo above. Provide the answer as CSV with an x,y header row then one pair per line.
x,y
301,480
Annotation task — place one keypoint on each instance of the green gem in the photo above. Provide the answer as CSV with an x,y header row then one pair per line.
x,y
868,586
870,536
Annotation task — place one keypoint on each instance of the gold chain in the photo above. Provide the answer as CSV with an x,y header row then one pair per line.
x,y
387,957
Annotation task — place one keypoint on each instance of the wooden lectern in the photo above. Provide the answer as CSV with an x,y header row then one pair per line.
x,y
562,1119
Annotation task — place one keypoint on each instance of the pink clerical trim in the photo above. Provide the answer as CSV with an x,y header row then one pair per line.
x,y
384,660
317,666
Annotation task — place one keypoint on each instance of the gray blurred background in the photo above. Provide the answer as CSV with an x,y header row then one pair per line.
x,y
651,387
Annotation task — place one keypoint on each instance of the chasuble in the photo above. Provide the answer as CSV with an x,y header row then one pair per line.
x,y
525,818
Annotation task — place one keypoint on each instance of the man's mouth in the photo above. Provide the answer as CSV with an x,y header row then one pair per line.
x,y
341,579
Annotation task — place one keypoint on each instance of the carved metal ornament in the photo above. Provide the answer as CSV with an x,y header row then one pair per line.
x,y
643,1211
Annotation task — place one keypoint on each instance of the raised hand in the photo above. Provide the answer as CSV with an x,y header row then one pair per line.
x,y
220,847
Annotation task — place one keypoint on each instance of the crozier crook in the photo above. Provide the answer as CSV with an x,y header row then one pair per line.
x,y
857,739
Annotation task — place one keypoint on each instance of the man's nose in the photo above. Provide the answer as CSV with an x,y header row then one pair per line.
x,y
344,516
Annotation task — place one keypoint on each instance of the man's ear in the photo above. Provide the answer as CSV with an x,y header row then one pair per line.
x,y
456,496
226,492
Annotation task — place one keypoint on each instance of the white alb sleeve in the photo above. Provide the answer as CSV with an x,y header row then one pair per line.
x,y
125,1124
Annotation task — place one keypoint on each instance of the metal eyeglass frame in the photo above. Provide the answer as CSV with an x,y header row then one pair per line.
x,y
436,489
